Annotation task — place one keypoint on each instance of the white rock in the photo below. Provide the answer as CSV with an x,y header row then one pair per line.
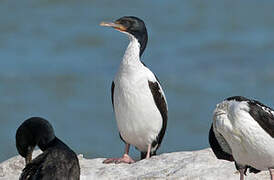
x,y
191,165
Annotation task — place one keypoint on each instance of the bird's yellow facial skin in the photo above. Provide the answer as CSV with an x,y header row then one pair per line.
x,y
115,25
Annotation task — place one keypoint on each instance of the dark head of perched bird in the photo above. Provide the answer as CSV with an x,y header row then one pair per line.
x,y
132,26
32,132
57,161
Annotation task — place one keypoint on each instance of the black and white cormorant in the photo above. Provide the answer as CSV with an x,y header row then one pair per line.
x,y
243,131
57,162
137,97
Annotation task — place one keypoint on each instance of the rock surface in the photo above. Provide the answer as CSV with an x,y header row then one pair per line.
x,y
187,165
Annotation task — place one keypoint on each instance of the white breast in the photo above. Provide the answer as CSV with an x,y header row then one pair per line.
x,y
249,142
138,118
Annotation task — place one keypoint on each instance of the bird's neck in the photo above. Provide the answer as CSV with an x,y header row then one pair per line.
x,y
56,143
132,54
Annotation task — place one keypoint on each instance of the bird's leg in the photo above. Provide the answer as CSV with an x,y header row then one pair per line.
x,y
127,148
242,173
148,151
125,159
242,170
271,171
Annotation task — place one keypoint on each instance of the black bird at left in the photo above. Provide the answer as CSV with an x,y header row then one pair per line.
x,y
57,162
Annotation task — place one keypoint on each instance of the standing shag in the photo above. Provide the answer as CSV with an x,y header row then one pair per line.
x,y
243,131
137,97
57,162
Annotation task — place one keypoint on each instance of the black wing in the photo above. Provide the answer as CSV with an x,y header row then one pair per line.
x,y
263,115
161,104
53,164
237,98
29,172
112,91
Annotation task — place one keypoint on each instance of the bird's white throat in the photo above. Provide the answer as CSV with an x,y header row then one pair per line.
x,y
132,54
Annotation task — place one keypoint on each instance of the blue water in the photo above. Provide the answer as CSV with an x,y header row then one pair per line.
x,y
58,63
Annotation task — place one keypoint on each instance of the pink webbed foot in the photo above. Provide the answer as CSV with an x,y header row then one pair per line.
x,y
125,159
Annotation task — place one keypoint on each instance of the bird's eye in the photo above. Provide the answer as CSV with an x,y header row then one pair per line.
x,y
125,23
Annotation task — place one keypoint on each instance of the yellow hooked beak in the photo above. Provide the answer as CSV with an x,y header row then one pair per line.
x,y
115,25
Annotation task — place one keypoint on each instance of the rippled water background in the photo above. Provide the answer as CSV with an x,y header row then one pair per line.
x,y
58,63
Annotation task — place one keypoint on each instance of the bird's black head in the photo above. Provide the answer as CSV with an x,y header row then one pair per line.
x,y
133,26
33,131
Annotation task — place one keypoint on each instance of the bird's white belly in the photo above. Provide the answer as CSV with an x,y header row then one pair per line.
x,y
250,144
138,118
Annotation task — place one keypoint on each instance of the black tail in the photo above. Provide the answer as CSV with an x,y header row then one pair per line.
x,y
251,169
144,154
